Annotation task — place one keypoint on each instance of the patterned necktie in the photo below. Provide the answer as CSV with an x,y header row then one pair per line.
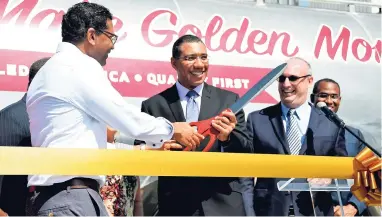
x,y
293,134
192,110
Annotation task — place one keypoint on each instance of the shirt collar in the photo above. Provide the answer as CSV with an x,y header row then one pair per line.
x,y
301,111
68,47
24,98
182,91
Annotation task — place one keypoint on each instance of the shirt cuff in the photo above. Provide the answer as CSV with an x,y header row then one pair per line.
x,y
166,133
360,206
159,144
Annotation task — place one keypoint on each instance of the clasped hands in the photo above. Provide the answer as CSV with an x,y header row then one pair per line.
x,y
189,137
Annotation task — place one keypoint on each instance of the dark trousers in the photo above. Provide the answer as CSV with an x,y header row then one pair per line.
x,y
50,201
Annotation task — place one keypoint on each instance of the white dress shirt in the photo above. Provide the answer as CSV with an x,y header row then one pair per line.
x,y
182,91
303,117
70,103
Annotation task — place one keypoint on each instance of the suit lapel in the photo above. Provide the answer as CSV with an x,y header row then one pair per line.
x,y
314,122
174,104
207,104
278,127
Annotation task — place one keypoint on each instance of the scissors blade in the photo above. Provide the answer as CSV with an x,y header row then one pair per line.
x,y
258,88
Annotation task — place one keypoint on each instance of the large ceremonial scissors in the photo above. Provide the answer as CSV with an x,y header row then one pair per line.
x,y
205,128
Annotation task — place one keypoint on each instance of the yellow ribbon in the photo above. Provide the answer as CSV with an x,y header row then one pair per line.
x,y
367,178
59,161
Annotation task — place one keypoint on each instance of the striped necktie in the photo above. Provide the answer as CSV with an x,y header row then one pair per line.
x,y
293,134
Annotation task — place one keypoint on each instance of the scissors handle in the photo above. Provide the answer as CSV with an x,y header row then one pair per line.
x,y
205,128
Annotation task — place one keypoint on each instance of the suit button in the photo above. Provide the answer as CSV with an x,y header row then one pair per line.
x,y
161,140
154,145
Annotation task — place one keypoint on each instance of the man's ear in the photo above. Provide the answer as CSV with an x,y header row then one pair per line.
x,y
173,63
90,36
312,98
310,80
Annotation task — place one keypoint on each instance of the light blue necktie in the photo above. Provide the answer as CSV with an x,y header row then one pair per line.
x,y
192,110
293,134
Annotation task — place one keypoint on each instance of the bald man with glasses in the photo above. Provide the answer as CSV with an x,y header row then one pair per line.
x,y
292,127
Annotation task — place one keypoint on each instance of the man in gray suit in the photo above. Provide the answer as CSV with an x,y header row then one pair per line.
x,y
328,91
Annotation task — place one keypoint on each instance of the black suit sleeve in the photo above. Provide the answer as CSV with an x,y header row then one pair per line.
x,y
239,141
14,131
248,182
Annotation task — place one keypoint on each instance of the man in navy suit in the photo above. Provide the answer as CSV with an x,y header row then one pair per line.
x,y
199,196
328,91
14,131
292,127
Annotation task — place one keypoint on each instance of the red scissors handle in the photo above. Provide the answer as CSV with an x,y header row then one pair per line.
x,y
205,128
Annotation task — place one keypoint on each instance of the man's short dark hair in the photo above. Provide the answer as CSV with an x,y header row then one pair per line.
x,y
82,16
35,67
183,39
315,87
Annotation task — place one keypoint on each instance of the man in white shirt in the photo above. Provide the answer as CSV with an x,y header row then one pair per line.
x,y
70,103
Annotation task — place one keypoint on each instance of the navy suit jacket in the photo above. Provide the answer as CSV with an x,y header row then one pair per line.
x,y
14,131
266,130
353,147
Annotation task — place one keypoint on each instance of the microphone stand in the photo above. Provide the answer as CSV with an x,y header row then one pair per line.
x,y
340,123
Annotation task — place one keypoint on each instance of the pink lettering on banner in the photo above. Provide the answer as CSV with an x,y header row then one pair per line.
x,y
344,39
23,11
245,39
135,78
252,44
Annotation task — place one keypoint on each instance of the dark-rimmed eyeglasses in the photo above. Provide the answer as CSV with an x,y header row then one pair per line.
x,y
113,37
327,95
291,78
192,58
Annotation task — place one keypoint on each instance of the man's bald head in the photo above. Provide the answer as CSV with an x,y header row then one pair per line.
x,y
299,65
295,82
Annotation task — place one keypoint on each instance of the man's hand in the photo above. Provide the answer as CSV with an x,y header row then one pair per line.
x,y
167,146
349,210
187,135
110,134
2,213
172,144
319,181
225,124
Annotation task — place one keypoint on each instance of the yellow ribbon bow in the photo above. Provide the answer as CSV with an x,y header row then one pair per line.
x,y
367,178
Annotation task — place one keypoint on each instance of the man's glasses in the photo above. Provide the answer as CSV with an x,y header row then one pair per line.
x,y
291,78
192,58
113,37
327,95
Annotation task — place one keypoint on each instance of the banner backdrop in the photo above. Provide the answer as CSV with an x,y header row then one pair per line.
x,y
244,42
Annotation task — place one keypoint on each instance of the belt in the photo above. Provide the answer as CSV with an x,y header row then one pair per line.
x,y
75,183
